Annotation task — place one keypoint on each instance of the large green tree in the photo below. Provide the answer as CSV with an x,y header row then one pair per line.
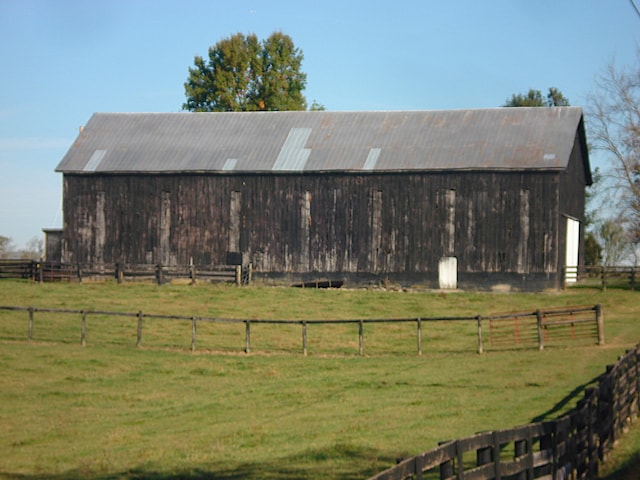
x,y
244,74
534,98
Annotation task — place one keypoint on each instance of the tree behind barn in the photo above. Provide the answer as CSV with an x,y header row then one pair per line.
x,y
534,98
614,121
244,74
555,98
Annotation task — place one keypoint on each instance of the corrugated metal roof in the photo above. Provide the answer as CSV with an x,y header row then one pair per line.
x,y
499,138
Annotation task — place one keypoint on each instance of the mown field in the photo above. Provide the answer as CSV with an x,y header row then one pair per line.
x,y
110,410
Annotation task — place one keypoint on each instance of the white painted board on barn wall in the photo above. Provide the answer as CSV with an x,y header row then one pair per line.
x,y
448,273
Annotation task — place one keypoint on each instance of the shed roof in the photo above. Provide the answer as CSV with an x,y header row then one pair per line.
x,y
478,139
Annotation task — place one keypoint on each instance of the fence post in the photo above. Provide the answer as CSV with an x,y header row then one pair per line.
x,y
540,333
604,278
193,334
361,337
633,278
590,423
83,330
637,377
247,347
419,322
520,448
192,271
529,453
446,468
548,443
480,347
417,467
30,329
600,323
605,412
139,333
159,274
304,338
239,275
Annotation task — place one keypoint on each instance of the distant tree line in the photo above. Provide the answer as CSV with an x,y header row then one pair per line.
x,y
32,250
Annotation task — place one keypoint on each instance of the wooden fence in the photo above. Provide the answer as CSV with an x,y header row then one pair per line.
x,y
601,276
548,326
38,271
17,268
525,329
568,447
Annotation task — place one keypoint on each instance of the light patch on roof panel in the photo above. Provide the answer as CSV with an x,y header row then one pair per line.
x,y
293,155
94,161
549,157
372,159
230,164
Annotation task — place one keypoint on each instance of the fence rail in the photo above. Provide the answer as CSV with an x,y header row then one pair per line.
x,y
568,447
544,327
602,276
38,271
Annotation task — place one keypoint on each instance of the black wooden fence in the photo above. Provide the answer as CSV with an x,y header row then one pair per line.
x,y
537,328
39,271
602,276
18,268
568,447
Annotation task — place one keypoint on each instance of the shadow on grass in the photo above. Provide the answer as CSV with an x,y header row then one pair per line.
x,y
572,399
341,461
630,470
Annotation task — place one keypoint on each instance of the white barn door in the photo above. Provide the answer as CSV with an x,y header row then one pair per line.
x,y
573,244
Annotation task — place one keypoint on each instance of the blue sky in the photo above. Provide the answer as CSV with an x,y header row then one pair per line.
x,y
63,60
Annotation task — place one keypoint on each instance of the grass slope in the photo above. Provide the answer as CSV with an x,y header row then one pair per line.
x,y
110,410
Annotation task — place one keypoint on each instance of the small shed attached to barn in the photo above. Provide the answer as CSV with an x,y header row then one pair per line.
x,y
473,199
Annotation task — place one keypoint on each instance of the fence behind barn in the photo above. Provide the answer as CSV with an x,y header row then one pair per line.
x,y
39,271
601,276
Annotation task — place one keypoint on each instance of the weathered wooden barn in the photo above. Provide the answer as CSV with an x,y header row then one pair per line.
x,y
473,199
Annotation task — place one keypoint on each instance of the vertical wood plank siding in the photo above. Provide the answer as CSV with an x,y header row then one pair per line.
x,y
400,223
572,196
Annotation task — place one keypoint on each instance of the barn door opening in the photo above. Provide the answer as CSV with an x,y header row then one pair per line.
x,y
448,273
573,244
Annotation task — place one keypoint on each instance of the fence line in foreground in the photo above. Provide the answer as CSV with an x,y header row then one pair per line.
x,y
568,447
538,327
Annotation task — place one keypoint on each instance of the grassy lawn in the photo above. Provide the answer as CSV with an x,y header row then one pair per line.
x,y
110,410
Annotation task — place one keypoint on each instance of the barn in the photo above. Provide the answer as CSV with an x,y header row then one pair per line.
x,y
470,199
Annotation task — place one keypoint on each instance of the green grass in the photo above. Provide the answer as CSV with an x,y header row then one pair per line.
x,y
110,410
623,462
